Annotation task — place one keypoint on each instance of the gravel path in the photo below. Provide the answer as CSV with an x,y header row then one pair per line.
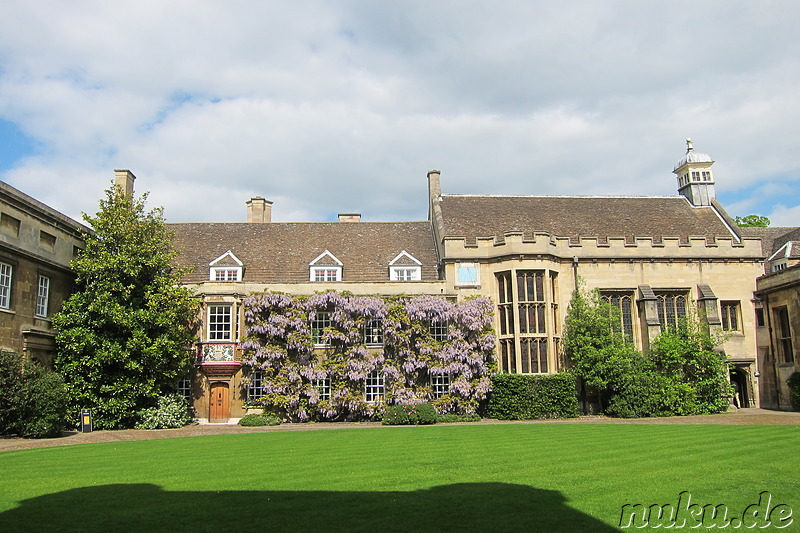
x,y
743,417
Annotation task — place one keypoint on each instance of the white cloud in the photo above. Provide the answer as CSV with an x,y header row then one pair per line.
x,y
785,216
327,107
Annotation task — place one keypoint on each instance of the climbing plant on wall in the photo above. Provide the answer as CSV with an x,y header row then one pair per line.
x,y
316,353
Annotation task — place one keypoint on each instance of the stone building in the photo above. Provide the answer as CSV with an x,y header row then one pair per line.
x,y
37,244
232,260
653,257
777,301
656,258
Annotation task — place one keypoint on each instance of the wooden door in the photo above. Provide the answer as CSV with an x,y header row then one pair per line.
x,y
219,403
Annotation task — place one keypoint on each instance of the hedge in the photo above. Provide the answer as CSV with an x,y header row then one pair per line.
x,y
521,397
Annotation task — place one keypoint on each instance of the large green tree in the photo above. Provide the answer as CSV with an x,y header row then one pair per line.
x,y
124,335
598,353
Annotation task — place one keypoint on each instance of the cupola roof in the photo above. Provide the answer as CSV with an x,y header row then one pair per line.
x,y
692,156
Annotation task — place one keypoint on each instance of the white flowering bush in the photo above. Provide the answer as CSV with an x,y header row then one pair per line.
x,y
279,342
172,412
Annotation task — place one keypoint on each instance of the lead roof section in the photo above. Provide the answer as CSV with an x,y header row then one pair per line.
x,y
280,252
577,217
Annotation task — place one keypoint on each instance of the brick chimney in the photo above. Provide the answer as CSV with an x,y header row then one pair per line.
x,y
124,180
349,217
259,210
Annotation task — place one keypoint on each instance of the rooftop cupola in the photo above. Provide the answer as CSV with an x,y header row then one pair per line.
x,y
695,179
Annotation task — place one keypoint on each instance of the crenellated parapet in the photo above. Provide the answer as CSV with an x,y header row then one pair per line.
x,y
540,243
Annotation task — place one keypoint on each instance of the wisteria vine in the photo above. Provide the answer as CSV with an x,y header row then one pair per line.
x,y
280,344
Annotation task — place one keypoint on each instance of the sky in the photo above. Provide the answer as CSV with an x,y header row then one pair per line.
x,y
339,107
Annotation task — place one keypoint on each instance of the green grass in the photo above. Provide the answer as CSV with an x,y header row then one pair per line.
x,y
545,477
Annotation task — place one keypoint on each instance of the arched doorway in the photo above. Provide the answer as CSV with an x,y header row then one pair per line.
x,y
219,408
741,387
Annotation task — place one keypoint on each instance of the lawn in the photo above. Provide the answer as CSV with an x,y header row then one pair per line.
x,y
532,477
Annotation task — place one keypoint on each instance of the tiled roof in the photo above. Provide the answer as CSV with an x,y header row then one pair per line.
x,y
772,238
281,252
579,217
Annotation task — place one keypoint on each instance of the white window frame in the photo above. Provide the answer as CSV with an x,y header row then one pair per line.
x,y
6,275
440,384
405,273
463,269
439,330
373,332
42,296
185,388
255,385
225,272
375,387
215,333
320,321
327,272
323,387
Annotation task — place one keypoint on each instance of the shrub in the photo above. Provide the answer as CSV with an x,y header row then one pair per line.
x,y
43,409
405,414
256,419
794,390
32,399
520,396
451,418
172,412
10,391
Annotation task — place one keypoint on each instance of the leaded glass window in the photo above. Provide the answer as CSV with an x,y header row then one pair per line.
x,y
671,308
622,300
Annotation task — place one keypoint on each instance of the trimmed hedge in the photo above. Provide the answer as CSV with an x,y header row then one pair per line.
x,y
398,415
257,419
522,397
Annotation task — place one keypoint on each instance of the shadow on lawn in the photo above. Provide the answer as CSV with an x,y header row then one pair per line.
x,y
144,507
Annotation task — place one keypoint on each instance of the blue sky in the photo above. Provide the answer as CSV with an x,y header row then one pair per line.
x,y
327,107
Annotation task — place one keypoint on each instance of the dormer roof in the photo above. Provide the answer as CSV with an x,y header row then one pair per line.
x,y
226,259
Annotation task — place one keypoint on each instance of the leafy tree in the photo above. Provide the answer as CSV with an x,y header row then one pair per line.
x,y
123,336
753,221
596,350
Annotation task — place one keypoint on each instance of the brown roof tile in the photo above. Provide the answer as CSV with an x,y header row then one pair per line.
x,y
772,238
579,217
281,252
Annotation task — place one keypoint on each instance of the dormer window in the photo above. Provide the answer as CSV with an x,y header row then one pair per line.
x,y
226,267
326,267
405,267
